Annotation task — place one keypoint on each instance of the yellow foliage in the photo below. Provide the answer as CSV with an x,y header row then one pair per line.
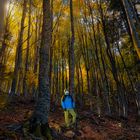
x,y
32,79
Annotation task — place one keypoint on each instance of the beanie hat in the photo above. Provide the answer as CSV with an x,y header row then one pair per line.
x,y
66,92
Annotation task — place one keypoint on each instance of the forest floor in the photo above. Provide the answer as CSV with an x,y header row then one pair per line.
x,y
89,125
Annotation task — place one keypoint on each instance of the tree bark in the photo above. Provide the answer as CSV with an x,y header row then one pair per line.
x,y
36,50
25,86
120,89
133,23
39,120
18,59
2,17
71,50
51,48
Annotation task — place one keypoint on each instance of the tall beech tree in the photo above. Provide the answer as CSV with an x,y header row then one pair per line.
x,y
39,120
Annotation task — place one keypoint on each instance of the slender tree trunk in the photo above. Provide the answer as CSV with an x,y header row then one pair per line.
x,y
88,80
98,104
105,78
134,24
82,82
66,80
25,86
97,60
2,17
57,78
71,50
3,48
63,78
85,54
51,48
111,58
18,59
79,97
36,51
4,45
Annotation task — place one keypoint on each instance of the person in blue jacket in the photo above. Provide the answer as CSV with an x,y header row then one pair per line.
x,y
68,106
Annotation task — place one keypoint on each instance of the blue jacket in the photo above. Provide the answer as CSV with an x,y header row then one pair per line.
x,y
67,102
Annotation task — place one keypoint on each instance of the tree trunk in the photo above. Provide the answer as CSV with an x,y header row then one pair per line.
x,y
51,48
2,17
82,83
39,120
3,47
134,24
105,79
57,78
18,59
36,51
78,95
25,87
71,50
121,97
63,78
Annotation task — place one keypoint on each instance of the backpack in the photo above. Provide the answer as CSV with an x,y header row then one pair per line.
x,y
64,97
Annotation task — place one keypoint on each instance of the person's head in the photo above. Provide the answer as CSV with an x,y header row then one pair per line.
x,y
66,92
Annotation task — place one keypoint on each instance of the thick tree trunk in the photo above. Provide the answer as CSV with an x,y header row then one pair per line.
x,y
39,120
